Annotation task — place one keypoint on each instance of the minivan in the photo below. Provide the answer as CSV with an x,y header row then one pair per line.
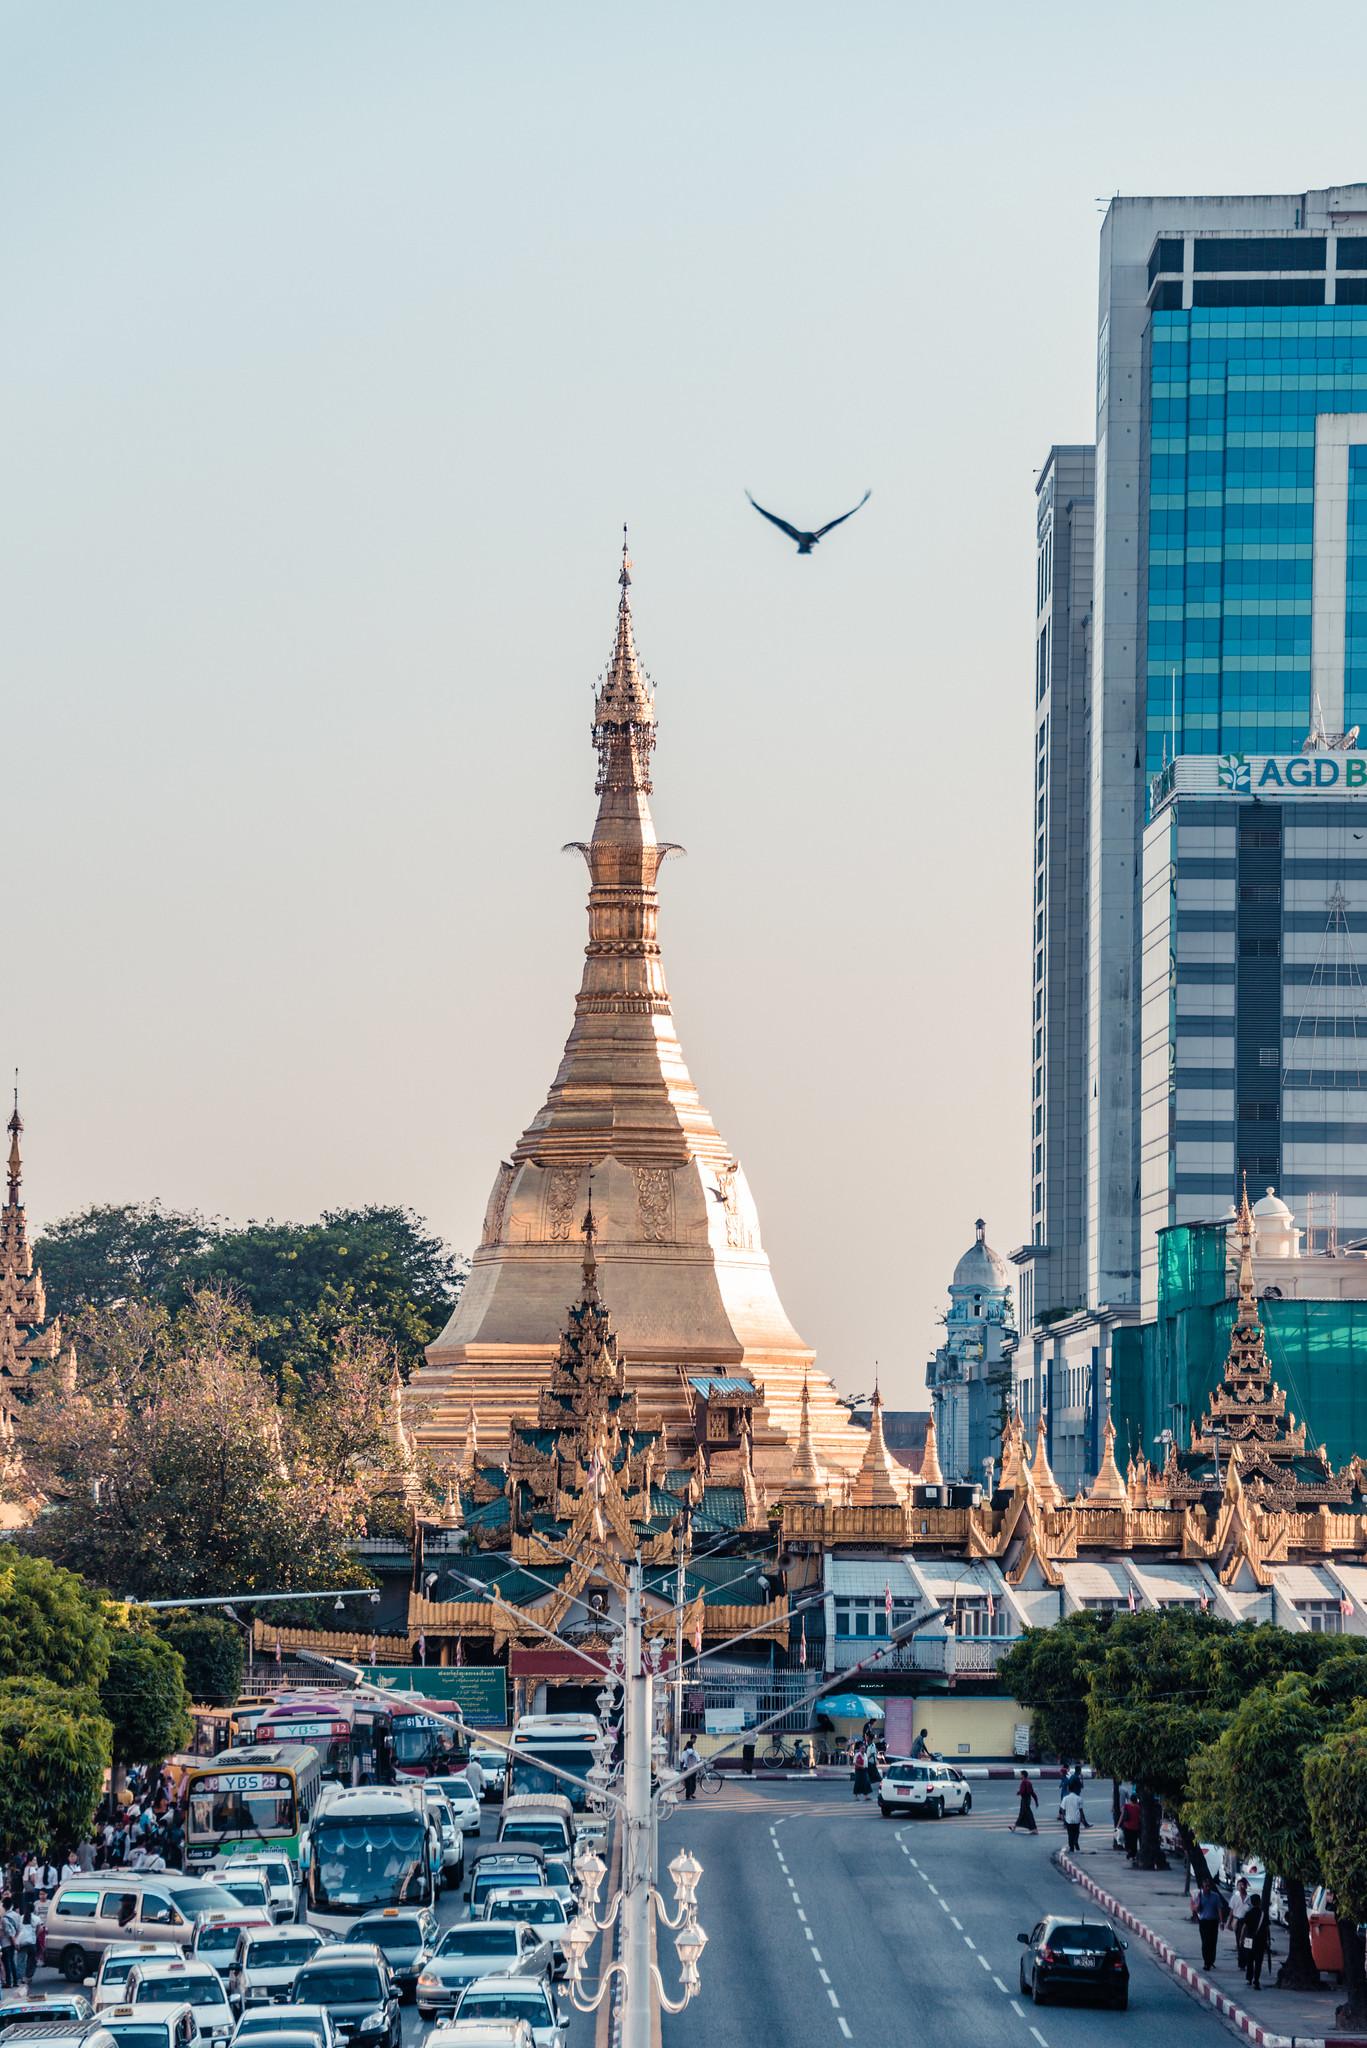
x,y
86,1913
544,1818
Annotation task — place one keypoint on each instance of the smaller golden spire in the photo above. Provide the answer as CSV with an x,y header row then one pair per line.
x,y
875,1485
469,1457
16,1129
931,1475
807,1481
1108,1488
1013,1456
1041,1472
590,1230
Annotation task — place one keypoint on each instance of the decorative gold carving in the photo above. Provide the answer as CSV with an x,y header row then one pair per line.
x,y
655,1201
498,1202
562,1189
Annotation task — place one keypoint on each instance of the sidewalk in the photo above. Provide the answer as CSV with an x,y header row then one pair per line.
x,y
1152,1905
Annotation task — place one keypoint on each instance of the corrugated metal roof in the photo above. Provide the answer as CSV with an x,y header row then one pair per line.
x,y
707,1385
1097,1580
1170,1582
1040,1605
1304,1582
861,1578
948,1580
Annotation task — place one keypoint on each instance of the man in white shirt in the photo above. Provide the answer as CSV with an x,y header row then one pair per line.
x,y
1071,1809
474,1777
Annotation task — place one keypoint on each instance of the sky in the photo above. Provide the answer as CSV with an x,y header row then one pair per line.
x,y
339,342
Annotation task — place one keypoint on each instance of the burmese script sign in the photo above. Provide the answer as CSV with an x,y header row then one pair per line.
x,y
479,1690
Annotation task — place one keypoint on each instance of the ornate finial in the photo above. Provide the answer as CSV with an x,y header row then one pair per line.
x,y
1041,1472
806,1481
981,1227
875,1483
16,1127
1108,1488
590,1230
625,578
624,712
931,1475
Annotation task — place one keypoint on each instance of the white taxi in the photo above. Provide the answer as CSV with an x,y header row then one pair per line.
x,y
923,1787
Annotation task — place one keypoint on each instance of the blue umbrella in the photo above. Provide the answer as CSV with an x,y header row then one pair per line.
x,y
849,1706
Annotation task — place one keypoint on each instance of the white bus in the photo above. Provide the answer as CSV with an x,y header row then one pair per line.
x,y
369,1846
565,1740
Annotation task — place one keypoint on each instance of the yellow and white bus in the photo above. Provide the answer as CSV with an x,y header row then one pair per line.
x,y
244,1800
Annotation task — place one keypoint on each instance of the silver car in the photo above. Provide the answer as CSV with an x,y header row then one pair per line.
x,y
270,1958
515,1998
479,1948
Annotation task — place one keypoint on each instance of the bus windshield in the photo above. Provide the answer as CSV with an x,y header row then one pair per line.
x,y
576,1758
375,1862
242,1803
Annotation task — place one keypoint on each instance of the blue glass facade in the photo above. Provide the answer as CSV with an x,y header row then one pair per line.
x,y
1233,396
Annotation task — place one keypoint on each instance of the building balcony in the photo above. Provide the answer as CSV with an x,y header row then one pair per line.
x,y
949,1656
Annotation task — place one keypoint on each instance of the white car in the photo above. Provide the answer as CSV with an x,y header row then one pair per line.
x,y
189,1982
140,2026
542,1908
512,1998
460,1794
481,2034
271,1959
452,1835
278,1872
106,1987
926,1788
249,1886
301,2022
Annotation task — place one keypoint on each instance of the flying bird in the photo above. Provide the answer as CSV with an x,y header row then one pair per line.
x,y
807,541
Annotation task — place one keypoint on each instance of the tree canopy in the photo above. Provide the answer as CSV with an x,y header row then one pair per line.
x,y
55,1747
375,1270
173,1468
144,1695
51,1623
212,1652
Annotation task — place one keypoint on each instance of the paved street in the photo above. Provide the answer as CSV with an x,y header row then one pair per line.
x,y
827,1923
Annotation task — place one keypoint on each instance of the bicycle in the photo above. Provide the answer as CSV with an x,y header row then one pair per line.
x,y
776,1755
709,1778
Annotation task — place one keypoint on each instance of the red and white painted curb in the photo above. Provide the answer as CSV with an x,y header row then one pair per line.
x,y
1182,1970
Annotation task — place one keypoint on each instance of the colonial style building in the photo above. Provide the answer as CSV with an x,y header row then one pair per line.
x,y
969,1375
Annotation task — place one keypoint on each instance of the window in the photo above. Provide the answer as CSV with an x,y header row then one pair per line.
x,y
77,1905
1259,1113
1322,1617
1259,892
1258,252
1268,1056
1260,949
1167,255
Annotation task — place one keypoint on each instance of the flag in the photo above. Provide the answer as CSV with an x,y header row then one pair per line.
x,y
1205,1602
697,1635
422,1649
277,1646
1130,1598
991,1606
460,1650
887,1603
1346,1608
374,1649
802,1645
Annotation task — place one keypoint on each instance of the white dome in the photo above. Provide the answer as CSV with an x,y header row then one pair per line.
x,y
980,1267
1271,1209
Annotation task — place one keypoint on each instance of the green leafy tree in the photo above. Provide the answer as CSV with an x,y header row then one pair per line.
x,y
212,1652
1336,1793
375,1270
51,1624
172,1469
1049,1671
54,1752
117,1251
1247,1789
144,1696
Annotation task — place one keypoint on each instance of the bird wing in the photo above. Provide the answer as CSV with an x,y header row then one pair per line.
x,y
782,524
843,517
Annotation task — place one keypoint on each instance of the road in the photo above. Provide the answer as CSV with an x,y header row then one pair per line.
x,y
828,1924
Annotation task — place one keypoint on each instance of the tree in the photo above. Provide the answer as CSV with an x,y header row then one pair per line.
x,y
1247,1788
211,1649
173,1470
116,1251
54,1752
1336,1793
144,1696
1049,1670
373,1270
51,1624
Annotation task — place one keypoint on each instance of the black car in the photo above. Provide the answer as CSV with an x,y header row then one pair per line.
x,y
405,1937
356,1985
1075,1955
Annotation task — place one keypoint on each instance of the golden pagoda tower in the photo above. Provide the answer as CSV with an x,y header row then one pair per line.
x,y
25,1343
681,1264
876,1484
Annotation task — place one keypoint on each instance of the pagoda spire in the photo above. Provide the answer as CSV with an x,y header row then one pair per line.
x,y
806,1481
931,1475
1107,1490
1041,1472
874,1484
24,1341
15,1168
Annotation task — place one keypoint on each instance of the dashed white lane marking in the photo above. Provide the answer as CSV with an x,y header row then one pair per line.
x,y
944,1904
987,1966
796,1899
1017,2010
934,1888
1039,2037
956,1923
822,1975
845,2028
834,2000
996,1980
802,1916
969,1942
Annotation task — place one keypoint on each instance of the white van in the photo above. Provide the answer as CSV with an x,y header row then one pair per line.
x,y
86,1913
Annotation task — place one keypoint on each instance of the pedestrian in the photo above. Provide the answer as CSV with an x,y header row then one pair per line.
x,y
1240,1899
875,1767
1129,1825
26,1946
9,1937
688,1765
474,1777
85,1855
1071,1809
1210,1913
1257,1941
40,1920
72,1865
921,1746
1029,1798
863,1788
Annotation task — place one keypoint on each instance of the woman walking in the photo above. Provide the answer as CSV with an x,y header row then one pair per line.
x,y
863,1787
1029,1798
1256,1942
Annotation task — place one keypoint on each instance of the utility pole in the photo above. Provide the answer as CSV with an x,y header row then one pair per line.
x,y
636,1823
679,1641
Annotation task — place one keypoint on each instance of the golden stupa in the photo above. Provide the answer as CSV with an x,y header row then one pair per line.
x,y
681,1265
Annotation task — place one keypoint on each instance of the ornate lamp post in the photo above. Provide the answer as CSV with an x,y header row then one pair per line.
x,y
689,1938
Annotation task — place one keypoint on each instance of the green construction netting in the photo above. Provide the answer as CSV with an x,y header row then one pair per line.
x,y
1163,1372
1191,1266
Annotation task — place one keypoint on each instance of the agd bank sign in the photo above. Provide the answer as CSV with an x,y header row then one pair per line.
x,y
1318,774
